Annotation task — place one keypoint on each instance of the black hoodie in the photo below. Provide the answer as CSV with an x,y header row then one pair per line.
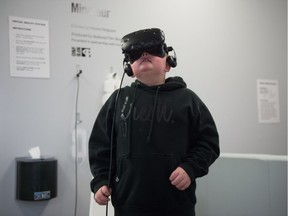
x,y
156,130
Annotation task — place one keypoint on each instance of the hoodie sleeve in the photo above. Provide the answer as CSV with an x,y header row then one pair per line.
x,y
204,147
100,146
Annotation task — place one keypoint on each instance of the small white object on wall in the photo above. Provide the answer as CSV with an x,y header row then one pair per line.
x,y
111,83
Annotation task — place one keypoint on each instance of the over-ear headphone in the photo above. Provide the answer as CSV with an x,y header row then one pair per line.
x,y
127,67
171,60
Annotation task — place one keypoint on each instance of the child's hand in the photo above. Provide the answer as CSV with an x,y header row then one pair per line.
x,y
180,179
102,195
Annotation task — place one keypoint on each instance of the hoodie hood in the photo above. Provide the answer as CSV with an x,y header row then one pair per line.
x,y
171,83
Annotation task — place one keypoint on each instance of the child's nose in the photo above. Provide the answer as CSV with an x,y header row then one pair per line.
x,y
144,54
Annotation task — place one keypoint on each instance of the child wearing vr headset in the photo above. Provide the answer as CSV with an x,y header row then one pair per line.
x,y
153,139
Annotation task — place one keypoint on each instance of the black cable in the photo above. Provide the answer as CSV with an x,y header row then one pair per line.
x,y
112,136
76,141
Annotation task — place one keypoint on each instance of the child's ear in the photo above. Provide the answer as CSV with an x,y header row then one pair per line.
x,y
167,67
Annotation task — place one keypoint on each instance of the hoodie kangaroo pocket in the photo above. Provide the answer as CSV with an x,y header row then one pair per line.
x,y
144,179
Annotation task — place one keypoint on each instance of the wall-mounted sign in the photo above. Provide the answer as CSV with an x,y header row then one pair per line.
x,y
29,47
268,101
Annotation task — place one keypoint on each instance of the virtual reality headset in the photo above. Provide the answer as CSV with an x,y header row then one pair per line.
x,y
150,40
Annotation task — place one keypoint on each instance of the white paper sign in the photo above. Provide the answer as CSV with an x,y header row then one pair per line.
x,y
29,47
268,101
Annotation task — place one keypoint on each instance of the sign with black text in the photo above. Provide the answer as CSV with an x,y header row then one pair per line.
x,y
29,47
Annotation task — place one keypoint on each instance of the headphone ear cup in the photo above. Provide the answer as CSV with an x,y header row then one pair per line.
x,y
128,69
172,61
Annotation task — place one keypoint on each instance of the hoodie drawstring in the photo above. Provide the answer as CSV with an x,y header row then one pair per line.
x,y
129,115
148,140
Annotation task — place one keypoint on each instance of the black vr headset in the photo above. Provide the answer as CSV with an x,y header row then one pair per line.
x,y
151,41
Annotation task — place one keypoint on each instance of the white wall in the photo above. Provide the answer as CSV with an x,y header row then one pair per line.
x,y
222,46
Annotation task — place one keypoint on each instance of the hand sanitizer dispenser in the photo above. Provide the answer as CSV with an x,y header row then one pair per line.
x,y
36,178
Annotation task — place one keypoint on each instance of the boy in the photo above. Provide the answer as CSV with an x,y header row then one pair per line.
x,y
152,139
